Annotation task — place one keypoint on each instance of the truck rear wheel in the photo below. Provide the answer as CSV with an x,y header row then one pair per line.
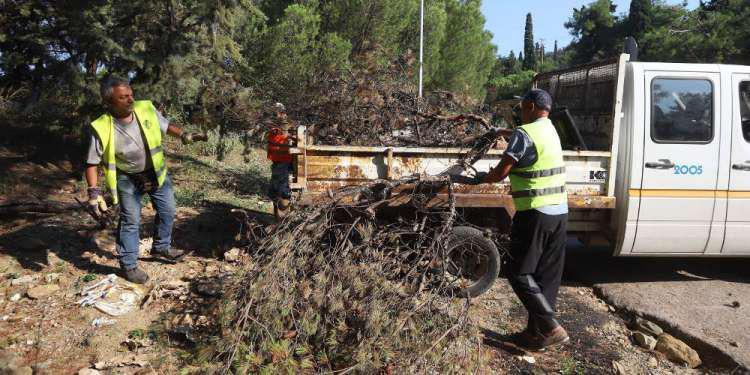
x,y
472,262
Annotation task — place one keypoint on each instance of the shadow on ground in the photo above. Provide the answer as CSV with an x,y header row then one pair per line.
x,y
213,231
598,266
586,350
31,245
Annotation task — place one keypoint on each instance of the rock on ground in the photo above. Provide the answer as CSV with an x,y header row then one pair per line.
x,y
42,291
692,296
28,279
677,350
647,327
644,341
88,371
232,255
25,370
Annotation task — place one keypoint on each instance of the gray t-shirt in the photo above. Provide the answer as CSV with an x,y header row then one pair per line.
x,y
130,146
521,149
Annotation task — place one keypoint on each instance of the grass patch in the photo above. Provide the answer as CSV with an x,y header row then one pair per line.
x,y
570,366
200,178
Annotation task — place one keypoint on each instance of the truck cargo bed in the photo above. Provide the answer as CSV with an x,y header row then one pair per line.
x,y
319,168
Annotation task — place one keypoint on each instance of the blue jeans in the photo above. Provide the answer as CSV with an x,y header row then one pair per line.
x,y
128,228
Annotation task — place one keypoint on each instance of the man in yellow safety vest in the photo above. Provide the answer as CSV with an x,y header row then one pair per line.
x,y
127,143
534,162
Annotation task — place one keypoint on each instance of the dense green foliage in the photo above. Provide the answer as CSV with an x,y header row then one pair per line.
x,y
714,32
215,62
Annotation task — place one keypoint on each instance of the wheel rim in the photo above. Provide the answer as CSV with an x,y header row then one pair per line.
x,y
465,264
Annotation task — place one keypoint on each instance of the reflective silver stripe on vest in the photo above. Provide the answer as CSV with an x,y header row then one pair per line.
x,y
156,149
540,173
111,166
538,192
162,170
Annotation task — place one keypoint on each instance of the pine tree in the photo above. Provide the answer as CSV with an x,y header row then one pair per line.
x,y
529,63
554,53
639,17
596,31
467,54
511,64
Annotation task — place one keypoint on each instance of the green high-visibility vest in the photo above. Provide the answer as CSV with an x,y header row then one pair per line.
x,y
104,127
542,183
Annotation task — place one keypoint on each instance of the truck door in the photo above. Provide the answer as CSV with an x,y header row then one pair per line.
x,y
680,169
737,235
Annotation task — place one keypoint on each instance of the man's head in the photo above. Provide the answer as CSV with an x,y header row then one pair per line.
x,y
279,111
534,105
118,96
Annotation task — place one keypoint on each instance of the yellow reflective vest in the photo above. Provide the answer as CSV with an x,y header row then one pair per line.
x,y
542,183
104,127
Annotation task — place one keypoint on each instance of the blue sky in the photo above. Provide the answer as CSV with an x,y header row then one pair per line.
x,y
506,20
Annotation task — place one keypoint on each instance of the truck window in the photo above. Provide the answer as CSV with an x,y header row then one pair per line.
x,y
745,109
681,110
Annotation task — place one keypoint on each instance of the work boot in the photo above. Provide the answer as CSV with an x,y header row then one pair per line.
x,y
136,275
171,255
539,342
283,208
554,337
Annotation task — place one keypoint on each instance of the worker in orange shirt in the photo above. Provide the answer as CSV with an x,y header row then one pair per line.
x,y
279,140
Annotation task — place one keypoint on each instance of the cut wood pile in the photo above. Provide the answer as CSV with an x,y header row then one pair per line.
x,y
379,106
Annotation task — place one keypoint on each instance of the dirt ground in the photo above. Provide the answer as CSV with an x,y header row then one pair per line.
x,y
704,300
54,335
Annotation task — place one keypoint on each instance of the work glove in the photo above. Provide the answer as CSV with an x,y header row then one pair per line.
x,y
454,170
479,177
96,202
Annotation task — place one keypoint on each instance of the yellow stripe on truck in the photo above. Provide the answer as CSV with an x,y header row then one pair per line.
x,y
688,193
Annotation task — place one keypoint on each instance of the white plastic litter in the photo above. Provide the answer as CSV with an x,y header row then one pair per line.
x,y
528,359
102,321
111,296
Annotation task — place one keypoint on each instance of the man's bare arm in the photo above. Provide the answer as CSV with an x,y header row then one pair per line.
x,y
501,171
91,175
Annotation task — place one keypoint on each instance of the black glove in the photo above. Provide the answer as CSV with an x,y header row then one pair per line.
x,y
479,177
96,203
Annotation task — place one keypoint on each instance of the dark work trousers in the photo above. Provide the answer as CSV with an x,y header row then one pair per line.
x,y
279,187
535,264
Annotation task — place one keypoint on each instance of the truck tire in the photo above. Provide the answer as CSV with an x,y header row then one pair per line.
x,y
472,260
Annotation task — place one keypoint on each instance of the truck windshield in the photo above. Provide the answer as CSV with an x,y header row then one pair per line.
x,y
681,110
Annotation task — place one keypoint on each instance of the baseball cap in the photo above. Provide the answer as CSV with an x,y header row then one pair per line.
x,y
540,98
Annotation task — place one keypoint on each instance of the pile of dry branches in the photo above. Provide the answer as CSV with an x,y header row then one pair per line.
x,y
377,106
364,111
349,285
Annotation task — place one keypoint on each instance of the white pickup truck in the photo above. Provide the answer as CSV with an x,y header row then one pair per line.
x,y
657,158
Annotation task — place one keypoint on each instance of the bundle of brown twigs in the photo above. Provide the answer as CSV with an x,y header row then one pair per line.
x,y
352,283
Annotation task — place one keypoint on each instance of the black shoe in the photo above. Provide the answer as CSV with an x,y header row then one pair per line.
x,y
171,255
136,275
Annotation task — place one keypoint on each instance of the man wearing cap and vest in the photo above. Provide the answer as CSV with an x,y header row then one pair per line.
x,y
279,141
127,143
534,162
